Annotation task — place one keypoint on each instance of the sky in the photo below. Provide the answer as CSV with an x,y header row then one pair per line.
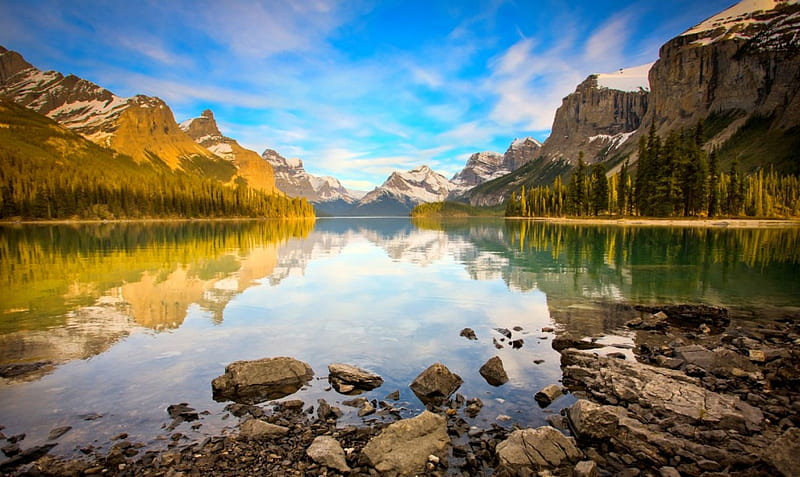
x,y
357,89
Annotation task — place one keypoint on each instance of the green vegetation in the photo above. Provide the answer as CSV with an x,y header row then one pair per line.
x,y
674,178
49,172
537,172
454,209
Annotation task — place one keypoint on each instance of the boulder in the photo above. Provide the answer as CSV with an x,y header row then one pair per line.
x,y
256,429
468,333
346,378
566,340
404,446
585,468
691,316
493,372
435,383
664,392
325,450
531,450
547,395
251,382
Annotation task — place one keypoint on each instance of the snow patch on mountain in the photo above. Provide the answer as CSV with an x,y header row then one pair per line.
x,y
626,79
411,188
614,141
743,13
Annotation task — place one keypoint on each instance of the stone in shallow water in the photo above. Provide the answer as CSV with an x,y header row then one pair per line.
x,y
493,372
436,383
251,382
547,395
346,378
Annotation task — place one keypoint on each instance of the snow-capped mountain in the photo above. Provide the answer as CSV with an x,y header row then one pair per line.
x,y
327,194
141,127
520,152
252,167
402,191
480,167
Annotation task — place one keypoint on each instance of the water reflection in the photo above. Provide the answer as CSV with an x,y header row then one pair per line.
x,y
161,308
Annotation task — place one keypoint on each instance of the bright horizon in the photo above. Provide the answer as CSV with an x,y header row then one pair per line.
x,y
355,89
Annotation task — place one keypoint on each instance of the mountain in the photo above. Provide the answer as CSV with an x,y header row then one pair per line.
x,y
736,73
402,191
141,127
326,193
255,170
51,172
480,167
599,117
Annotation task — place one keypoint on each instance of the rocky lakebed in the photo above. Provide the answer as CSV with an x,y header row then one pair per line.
x,y
705,396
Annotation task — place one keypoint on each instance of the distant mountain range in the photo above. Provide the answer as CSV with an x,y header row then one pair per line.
x,y
737,74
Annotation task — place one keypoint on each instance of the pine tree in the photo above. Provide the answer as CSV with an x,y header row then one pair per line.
x,y
599,198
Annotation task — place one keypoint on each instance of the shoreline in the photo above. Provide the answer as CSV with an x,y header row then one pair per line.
x,y
671,222
6,222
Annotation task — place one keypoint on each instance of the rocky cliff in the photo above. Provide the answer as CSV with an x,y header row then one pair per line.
x,y
521,152
141,127
743,63
598,118
251,166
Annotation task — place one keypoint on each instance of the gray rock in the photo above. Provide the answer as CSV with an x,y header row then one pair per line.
x,y
58,432
493,372
547,395
585,468
404,446
366,409
666,393
436,383
255,381
566,340
783,453
537,449
669,472
345,378
256,429
468,333
325,450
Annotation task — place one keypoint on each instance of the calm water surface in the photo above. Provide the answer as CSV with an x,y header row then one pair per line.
x,y
134,317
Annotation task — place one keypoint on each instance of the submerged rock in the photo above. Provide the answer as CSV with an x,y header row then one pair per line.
x,y
347,379
435,383
493,372
404,446
566,340
527,451
251,382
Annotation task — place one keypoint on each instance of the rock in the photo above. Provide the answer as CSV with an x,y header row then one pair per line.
x,y
357,402
474,406
504,331
58,432
468,333
394,395
547,395
691,316
327,451
366,409
404,446
256,429
251,382
649,321
182,411
496,344
669,472
493,372
342,375
435,383
783,453
664,392
548,329
325,411
537,449
517,343
26,456
671,363
757,355
585,468
566,340
16,370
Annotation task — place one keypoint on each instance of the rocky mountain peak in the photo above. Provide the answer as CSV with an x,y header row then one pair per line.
x,y
11,63
520,152
203,128
294,181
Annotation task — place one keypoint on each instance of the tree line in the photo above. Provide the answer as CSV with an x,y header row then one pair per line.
x,y
66,191
674,177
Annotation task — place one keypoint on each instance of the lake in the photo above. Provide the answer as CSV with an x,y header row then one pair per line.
x,y
124,320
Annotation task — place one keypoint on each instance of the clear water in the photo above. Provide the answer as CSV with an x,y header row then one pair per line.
x,y
135,317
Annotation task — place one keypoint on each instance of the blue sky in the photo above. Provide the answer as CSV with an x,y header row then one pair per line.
x,y
356,89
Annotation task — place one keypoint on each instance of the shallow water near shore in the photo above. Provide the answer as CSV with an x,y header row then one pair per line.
x,y
126,319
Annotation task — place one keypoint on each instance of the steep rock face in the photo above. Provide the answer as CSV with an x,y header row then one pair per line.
x,y
596,120
746,59
141,127
480,167
402,191
327,193
521,152
204,131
